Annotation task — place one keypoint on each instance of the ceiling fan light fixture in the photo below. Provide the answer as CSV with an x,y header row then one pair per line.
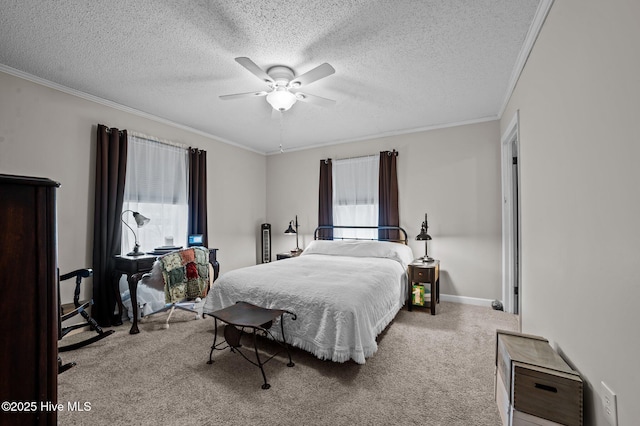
x,y
281,99
281,80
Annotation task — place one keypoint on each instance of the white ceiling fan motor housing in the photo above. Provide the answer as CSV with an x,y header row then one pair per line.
x,y
281,75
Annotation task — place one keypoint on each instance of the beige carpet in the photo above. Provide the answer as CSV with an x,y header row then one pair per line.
x,y
429,370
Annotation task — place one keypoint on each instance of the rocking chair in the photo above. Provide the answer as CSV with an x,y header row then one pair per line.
x,y
68,311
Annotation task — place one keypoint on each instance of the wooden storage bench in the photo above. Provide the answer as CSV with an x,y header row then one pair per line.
x,y
534,385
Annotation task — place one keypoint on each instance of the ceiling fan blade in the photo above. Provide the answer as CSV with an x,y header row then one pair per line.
x,y
243,95
321,71
254,69
313,99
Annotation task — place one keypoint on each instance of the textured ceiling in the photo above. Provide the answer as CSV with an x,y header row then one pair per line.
x,y
400,65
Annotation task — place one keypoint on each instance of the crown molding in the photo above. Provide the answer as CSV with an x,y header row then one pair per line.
x,y
390,134
532,35
92,98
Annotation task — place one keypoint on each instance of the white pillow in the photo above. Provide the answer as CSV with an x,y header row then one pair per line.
x,y
385,249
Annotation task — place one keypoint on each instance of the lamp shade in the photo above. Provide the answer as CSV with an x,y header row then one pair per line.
x,y
281,99
290,229
140,219
140,222
423,236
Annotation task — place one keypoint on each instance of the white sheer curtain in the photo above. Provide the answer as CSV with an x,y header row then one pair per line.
x,y
355,196
156,186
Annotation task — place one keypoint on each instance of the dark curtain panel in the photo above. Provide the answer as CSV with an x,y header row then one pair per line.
x,y
389,214
325,200
111,163
198,194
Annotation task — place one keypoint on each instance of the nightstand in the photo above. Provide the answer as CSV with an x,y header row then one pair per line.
x,y
288,254
425,273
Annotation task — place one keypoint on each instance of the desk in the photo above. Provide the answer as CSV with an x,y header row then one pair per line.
x,y
134,267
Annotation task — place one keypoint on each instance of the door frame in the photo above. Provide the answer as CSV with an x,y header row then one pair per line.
x,y
510,242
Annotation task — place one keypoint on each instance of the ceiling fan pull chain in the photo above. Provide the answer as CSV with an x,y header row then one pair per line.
x,y
281,127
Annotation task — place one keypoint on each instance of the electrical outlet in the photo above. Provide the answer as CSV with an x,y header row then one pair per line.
x,y
609,405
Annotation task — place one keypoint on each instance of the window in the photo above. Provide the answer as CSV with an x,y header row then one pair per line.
x,y
156,186
355,196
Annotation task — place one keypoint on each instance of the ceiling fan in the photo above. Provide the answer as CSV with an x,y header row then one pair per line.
x,y
283,85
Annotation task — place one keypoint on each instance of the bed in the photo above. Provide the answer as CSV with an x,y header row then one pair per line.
x,y
343,292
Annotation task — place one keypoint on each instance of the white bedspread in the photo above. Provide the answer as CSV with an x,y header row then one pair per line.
x,y
342,302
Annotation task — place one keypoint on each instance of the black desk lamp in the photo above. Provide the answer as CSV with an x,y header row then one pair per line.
x,y
291,231
140,221
423,236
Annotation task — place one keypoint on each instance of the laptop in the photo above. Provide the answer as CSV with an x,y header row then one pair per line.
x,y
195,240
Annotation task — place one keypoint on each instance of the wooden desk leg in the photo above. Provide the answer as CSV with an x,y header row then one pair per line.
x,y
410,299
133,292
435,291
116,288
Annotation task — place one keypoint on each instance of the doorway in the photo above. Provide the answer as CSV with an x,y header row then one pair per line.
x,y
511,254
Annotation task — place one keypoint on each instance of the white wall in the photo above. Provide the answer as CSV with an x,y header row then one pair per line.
x,y
579,103
453,174
45,132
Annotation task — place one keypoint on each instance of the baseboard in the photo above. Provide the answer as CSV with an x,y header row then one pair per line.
x,y
466,300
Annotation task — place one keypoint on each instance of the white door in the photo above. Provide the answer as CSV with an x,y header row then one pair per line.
x,y
511,259
515,231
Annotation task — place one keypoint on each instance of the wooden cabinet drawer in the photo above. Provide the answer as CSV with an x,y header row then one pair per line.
x,y
546,393
421,275
524,348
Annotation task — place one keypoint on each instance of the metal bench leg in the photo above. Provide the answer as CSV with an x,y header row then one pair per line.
x,y
284,340
255,346
215,336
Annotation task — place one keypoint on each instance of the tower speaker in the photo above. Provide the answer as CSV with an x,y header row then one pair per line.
x,y
266,242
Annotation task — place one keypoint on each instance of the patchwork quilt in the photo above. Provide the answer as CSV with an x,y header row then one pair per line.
x,y
185,273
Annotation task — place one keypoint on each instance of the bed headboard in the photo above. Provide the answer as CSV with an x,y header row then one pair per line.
x,y
400,233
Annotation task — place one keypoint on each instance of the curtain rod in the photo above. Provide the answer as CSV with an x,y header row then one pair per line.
x,y
389,153
108,130
154,139
359,156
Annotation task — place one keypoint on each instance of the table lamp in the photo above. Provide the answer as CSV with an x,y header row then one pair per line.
x,y
291,231
423,236
140,222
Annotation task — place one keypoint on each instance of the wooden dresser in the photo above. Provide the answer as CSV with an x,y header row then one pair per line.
x,y
29,300
534,385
